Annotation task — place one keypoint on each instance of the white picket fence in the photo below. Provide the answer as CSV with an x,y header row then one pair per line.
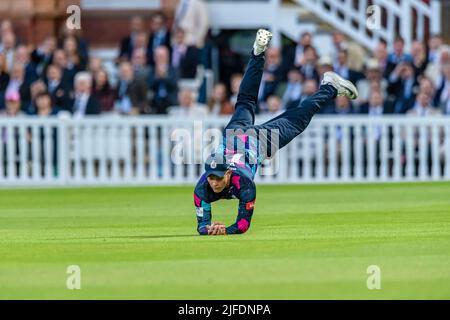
x,y
138,151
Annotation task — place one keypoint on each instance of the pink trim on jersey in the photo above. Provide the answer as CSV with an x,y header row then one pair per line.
x,y
197,201
228,151
243,225
235,180
243,137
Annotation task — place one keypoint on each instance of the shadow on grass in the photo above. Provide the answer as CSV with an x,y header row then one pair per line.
x,y
168,236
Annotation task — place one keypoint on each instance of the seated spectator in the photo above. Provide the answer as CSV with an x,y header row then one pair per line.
x,y
403,86
235,84
376,105
58,90
8,49
187,107
309,88
355,52
84,102
343,106
435,45
272,74
325,65
22,55
163,82
82,47
103,91
159,36
12,101
18,85
127,44
185,58
422,106
293,93
38,87
341,67
139,62
4,80
42,56
131,93
442,97
397,56
219,103
308,64
381,56
427,86
5,27
75,60
68,75
95,65
419,58
274,106
434,70
141,43
293,55
44,106
373,75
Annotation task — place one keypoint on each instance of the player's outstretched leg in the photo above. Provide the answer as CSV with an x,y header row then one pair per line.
x,y
294,121
244,114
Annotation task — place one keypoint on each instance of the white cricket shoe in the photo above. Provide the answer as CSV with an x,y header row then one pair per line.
x,y
261,44
344,87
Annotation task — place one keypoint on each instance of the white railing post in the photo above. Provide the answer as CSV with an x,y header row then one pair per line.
x,y
435,19
11,155
406,23
447,152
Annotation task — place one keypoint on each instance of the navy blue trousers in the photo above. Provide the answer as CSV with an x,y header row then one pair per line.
x,y
287,125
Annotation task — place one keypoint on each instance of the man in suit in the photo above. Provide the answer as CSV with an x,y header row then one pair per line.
x,y
376,106
294,88
163,82
131,91
442,97
423,106
185,58
293,55
127,43
341,68
84,103
160,36
18,84
58,90
272,75
68,75
397,56
403,87
22,55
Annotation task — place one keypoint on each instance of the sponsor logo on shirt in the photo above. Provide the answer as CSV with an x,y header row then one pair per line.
x,y
199,212
250,205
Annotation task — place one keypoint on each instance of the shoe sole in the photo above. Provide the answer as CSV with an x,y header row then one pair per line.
x,y
263,37
347,85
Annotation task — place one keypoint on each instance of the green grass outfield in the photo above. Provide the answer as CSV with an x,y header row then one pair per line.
x,y
306,242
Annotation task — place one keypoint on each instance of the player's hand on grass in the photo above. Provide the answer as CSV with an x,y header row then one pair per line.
x,y
217,229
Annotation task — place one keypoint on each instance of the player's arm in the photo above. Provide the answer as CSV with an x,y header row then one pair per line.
x,y
203,211
245,211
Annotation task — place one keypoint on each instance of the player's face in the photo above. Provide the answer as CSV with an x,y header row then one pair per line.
x,y
218,184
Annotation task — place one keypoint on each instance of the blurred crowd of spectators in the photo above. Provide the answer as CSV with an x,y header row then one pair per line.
x,y
59,75
397,82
